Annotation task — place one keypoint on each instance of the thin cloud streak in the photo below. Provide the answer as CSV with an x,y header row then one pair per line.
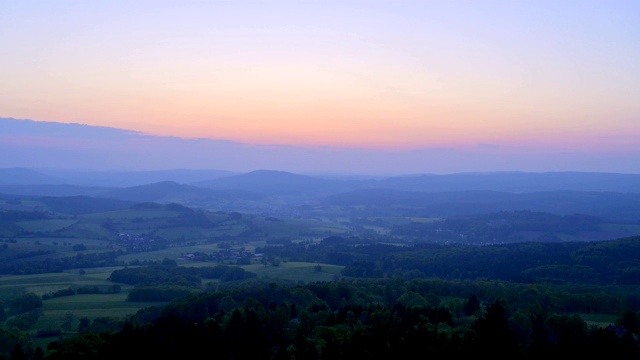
x,y
38,144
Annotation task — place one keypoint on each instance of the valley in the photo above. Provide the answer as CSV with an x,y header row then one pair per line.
x,y
64,244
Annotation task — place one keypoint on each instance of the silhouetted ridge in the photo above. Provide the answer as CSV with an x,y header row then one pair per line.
x,y
277,183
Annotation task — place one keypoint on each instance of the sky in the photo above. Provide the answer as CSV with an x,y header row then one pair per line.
x,y
480,85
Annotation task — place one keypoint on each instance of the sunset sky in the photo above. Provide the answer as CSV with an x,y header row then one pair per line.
x,y
383,76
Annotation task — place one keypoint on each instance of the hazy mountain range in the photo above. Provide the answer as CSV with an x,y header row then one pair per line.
x,y
608,195
271,182
73,163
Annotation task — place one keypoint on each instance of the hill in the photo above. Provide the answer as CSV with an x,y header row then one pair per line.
x,y
273,182
165,191
281,183
52,190
134,178
610,205
73,205
517,182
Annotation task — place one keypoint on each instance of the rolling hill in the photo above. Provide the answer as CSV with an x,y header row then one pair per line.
x,y
610,205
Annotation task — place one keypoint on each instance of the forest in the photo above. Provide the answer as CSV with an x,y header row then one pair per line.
x,y
375,319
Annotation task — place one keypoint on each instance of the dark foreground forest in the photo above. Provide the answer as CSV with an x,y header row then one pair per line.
x,y
363,319
512,301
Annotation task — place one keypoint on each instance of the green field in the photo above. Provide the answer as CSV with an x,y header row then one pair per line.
x,y
172,253
91,306
599,320
41,284
88,305
56,311
296,271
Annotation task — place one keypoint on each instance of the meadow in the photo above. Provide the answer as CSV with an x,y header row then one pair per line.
x,y
65,312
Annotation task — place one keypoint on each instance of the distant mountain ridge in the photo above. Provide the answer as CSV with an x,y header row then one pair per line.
x,y
270,182
614,198
282,183
134,178
518,182
171,191
608,205
26,176
165,191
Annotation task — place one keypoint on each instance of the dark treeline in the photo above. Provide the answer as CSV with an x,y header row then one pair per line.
x,y
169,273
22,266
167,281
368,318
94,289
605,262
18,215
504,227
